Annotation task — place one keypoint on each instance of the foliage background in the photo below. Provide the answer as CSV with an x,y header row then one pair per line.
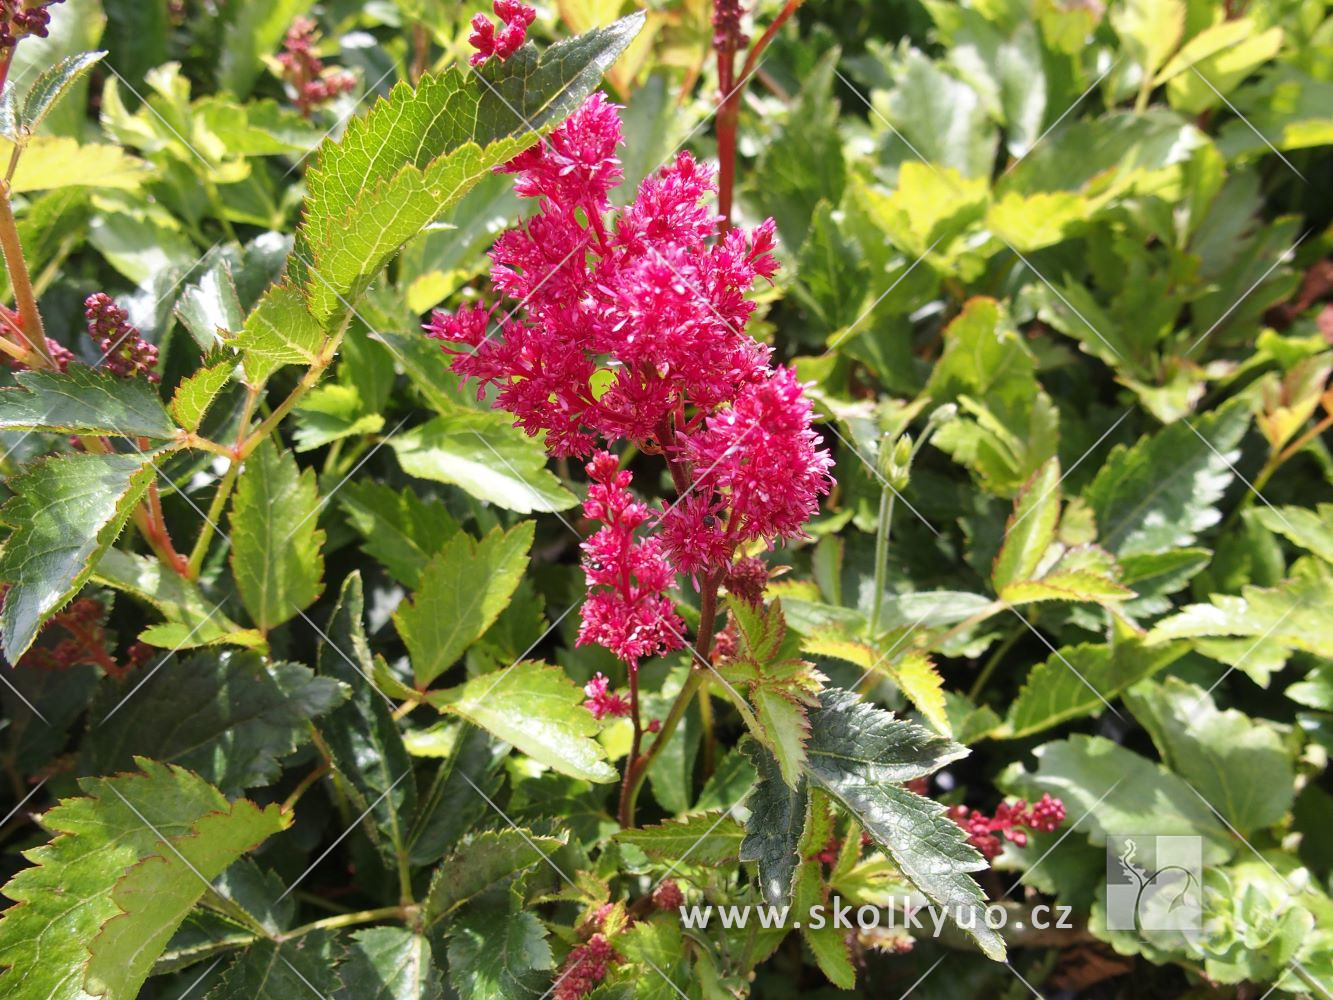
x,y
1099,233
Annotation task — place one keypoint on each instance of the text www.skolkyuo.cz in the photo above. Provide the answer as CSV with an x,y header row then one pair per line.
x,y
846,916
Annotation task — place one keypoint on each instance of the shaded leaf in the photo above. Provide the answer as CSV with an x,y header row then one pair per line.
x,y
481,863
228,717
390,963
705,838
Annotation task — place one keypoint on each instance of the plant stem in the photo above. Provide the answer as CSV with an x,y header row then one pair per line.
x,y
200,551
307,782
992,663
637,769
882,533
351,920
32,331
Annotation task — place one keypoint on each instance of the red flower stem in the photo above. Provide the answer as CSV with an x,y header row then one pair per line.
x,y
637,769
728,116
32,330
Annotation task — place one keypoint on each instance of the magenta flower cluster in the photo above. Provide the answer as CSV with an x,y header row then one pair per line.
x,y
515,18
630,325
127,353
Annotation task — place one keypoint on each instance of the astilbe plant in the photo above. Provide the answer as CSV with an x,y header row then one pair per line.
x,y
629,327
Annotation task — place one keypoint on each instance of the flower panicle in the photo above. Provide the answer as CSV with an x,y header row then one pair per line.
x,y
630,325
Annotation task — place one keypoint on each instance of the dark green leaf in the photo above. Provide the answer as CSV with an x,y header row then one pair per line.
x,y
705,838
482,862
84,401
497,954
401,530
228,717
390,963
773,831
361,734
66,512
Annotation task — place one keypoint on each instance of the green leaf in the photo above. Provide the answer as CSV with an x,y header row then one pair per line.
x,y
211,310
279,331
51,162
228,717
361,735
940,115
273,970
706,838
538,710
52,84
785,730
1119,792
861,755
1149,30
275,536
482,453
461,593
84,401
482,862
397,169
197,392
399,529
1240,765
1161,492
66,512
391,963
1294,615
773,831
833,277
1030,530
1067,684
494,953
106,894
451,805
1310,529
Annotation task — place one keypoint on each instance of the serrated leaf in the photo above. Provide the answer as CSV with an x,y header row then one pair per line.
x,y
451,805
52,84
495,954
361,735
228,717
1310,529
391,963
785,729
1067,684
1242,766
1294,615
706,838
913,671
399,529
418,151
482,453
482,862
84,401
197,392
51,161
461,593
277,332
66,512
773,831
538,710
273,970
1159,493
275,537
1030,529
106,893
860,755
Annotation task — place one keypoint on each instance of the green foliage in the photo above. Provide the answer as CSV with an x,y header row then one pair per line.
x,y
276,542
43,561
127,863
1055,276
462,591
